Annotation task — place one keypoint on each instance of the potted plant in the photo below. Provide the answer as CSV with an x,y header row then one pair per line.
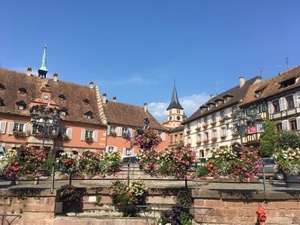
x,y
288,163
198,143
89,139
213,123
65,137
127,197
19,134
147,139
205,125
214,139
113,134
198,129
205,141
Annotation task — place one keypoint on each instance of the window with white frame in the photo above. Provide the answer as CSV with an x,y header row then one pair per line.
x,y
223,131
18,126
290,102
86,133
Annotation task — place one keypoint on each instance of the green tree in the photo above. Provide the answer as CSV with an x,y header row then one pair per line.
x,y
268,139
288,139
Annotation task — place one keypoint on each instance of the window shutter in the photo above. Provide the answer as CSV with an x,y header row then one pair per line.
x,y
10,128
69,133
163,136
25,128
284,124
2,127
83,134
296,99
282,104
95,135
119,131
298,122
108,129
270,108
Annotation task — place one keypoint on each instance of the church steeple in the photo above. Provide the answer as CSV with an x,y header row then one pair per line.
x,y
174,111
174,101
43,69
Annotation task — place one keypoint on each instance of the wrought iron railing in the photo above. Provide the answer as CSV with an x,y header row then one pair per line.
x,y
8,219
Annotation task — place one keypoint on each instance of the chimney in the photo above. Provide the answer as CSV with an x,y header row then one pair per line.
x,y
211,96
145,107
114,99
104,98
55,77
242,81
29,71
91,84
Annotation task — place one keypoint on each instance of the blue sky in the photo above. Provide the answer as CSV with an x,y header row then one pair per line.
x,y
136,49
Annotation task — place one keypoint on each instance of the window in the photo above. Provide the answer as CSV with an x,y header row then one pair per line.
x,y
223,131
175,138
62,97
89,134
293,124
21,105
288,82
222,113
260,127
89,115
18,126
22,91
290,102
86,101
213,117
110,149
2,127
1,87
205,119
2,102
261,108
62,130
276,106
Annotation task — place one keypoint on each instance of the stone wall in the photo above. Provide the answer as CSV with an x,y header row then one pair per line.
x,y
239,207
220,207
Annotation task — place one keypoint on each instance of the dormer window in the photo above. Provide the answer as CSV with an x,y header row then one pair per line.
x,y
1,102
89,115
86,101
63,111
22,91
1,87
258,94
21,105
287,83
62,97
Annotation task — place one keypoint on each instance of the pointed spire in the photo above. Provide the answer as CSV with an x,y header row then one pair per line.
x,y
43,69
174,101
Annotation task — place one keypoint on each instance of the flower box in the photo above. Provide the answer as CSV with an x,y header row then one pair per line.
x,y
221,120
198,129
205,141
64,137
235,134
223,137
213,123
205,126
19,134
89,140
113,134
198,143
214,139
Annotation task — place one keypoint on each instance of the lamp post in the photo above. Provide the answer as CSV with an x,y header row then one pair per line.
x,y
242,123
44,120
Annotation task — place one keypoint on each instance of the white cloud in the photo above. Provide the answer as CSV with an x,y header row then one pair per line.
x,y
190,105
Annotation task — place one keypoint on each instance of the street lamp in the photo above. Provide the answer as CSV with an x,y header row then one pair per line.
x,y
242,123
44,120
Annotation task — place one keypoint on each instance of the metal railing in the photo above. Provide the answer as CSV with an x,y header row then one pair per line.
x,y
8,219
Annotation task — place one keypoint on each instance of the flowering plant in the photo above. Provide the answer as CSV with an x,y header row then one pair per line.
x,y
64,137
243,164
288,161
173,162
19,134
24,162
128,196
147,139
111,164
89,139
68,193
69,162
89,162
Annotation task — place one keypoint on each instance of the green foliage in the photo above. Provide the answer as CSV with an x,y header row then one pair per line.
x,y
287,140
268,138
69,193
202,171
184,198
